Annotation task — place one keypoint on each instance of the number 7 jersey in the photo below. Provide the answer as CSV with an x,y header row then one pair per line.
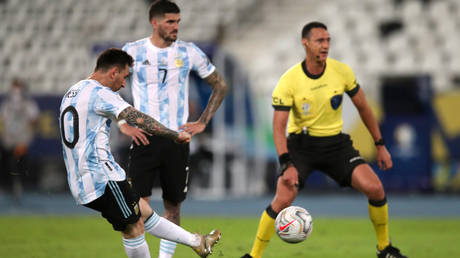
x,y
86,112
159,80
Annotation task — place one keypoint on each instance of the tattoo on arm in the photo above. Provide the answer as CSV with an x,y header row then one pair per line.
x,y
219,89
147,123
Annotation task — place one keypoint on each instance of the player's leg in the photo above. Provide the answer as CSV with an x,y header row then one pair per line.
x,y
343,163
172,213
347,168
286,191
174,175
366,181
165,229
144,162
134,241
119,205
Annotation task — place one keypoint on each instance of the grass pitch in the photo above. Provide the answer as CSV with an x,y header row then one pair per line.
x,y
92,236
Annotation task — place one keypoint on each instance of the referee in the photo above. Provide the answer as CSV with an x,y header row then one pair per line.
x,y
309,95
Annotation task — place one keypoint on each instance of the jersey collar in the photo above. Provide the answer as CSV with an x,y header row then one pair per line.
x,y
155,48
308,74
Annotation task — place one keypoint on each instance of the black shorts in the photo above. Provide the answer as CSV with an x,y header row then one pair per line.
x,y
163,159
332,155
119,204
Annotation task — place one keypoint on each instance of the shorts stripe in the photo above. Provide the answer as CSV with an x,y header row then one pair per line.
x,y
119,198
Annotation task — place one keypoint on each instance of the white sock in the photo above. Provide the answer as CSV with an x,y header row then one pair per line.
x,y
167,248
136,247
163,228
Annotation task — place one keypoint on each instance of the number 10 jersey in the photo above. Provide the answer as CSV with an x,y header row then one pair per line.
x,y
86,112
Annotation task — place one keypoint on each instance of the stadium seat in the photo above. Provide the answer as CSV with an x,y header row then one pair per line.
x,y
353,24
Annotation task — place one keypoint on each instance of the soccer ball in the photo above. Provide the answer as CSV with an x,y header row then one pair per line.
x,y
293,224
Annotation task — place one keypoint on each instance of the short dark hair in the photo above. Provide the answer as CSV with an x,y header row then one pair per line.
x,y
160,7
309,26
18,82
113,57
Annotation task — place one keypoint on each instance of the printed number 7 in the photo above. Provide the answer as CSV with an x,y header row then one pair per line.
x,y
165,72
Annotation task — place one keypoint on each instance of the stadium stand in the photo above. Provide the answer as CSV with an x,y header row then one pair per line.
x,y
424,43
50,41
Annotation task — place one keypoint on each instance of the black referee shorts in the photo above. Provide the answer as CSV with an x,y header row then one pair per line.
x,y
333,155
119,204
163,159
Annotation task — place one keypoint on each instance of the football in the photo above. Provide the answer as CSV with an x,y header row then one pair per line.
x,y
293,224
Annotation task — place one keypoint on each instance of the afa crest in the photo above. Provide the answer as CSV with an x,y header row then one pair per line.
x,y
178,62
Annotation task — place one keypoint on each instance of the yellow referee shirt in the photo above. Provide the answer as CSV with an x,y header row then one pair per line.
x,y
315,101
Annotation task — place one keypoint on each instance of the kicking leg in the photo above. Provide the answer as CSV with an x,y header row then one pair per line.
x,y
165,229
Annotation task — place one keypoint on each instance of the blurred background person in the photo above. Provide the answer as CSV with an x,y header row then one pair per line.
x,y
19,115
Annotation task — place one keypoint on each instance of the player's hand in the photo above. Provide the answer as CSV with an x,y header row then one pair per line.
x,y
291,176
384,158
138,135
193,127
183,137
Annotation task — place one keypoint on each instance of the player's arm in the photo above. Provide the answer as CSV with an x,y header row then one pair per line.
x,y
219,90
152,126
365,112
137,134
280,118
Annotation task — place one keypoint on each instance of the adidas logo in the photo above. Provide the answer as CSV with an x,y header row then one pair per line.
x,y
146,62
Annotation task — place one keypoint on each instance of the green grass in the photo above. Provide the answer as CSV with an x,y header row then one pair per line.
x,y
89,236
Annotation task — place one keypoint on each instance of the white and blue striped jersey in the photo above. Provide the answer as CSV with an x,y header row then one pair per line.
x,y
86,112
160,78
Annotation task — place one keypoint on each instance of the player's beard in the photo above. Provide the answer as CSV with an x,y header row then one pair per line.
x,y
166,37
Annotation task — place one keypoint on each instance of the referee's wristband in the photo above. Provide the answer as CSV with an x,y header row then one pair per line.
x,y
121,122
380,142
285,161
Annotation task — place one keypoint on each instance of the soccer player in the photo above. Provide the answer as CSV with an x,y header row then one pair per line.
x,y
159,85
309,96
95,179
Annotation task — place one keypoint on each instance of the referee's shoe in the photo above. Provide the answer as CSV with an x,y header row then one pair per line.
x,y
390,252
207,242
